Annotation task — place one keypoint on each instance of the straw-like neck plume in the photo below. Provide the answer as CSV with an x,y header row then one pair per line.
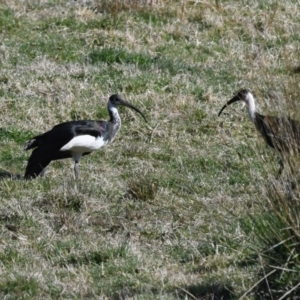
x,y
249,99
114,114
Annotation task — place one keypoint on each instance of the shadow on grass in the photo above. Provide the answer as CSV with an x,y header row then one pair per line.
x,y
5,174
207,290
278,284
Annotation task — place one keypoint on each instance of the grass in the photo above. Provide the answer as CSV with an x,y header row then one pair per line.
x,y
185,206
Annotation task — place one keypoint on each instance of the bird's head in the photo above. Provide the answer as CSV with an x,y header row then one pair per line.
x,y
116,100
242,95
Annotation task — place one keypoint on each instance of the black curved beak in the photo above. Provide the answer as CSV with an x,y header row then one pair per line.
x,y
125,103
234,99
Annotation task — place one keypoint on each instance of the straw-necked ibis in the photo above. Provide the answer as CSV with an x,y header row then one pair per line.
x,y
280,133
74,139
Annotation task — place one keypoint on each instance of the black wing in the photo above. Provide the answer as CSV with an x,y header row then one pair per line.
x,y
47,145
265,129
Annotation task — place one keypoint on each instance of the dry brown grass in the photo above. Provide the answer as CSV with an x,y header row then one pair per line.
x,y
157,214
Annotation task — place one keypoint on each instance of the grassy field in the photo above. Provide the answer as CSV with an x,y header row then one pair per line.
x,y
185,206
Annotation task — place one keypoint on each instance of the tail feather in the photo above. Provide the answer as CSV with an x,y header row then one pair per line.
x,y
36,164
30,144
34,142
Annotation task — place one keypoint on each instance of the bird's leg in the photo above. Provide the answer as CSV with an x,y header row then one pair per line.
x,y
281,166
76,158
76,171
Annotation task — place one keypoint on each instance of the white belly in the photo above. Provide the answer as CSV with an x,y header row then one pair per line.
x,y
84,143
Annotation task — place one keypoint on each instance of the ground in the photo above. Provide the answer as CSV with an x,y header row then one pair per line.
x,y
185,206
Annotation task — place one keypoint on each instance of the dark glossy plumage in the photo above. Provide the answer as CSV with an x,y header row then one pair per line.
x,y
59,136
73,139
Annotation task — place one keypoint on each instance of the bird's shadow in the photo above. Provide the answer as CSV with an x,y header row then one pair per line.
x,y
6,174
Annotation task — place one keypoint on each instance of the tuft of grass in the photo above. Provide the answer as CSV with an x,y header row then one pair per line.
x,y
144,188
275,231
109,55
209,290
20,287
